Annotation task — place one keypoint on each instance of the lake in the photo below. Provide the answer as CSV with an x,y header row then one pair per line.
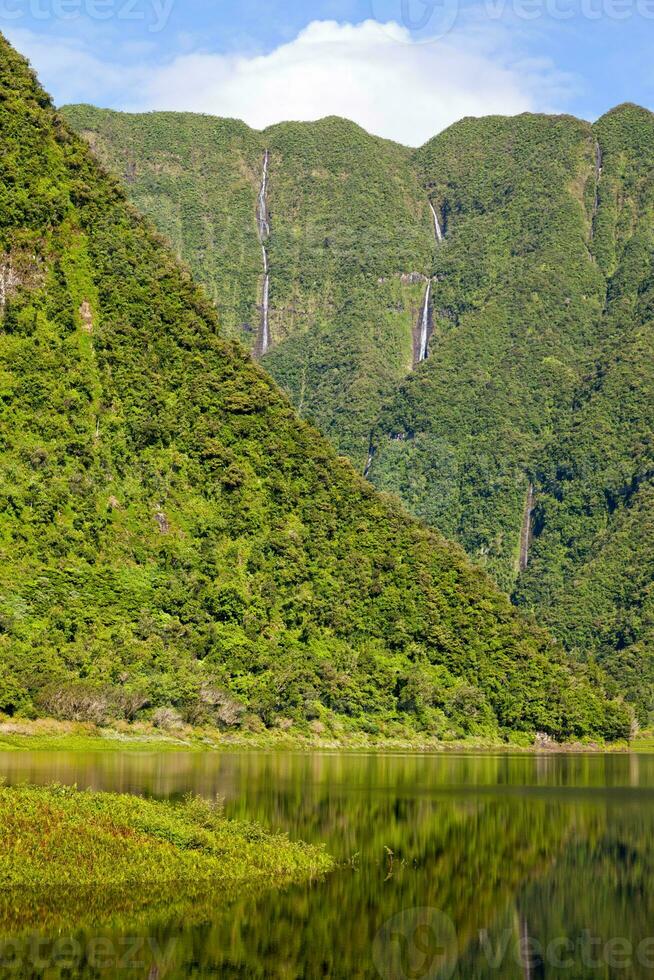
x,y
466,866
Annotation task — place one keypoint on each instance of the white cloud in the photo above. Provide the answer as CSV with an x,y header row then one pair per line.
x,y
372,73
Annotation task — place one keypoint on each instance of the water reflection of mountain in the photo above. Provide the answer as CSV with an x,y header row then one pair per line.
x,y
511,849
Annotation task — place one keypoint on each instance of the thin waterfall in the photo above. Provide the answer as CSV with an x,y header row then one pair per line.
x,y
423,350
423,347
599,167
262,207
525,949
265,327
437,224
264,234
525,534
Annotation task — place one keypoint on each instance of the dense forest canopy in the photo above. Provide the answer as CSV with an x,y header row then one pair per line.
x,y
526,435
172,535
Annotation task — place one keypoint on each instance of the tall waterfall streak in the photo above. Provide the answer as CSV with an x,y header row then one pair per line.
x,y
371,457
599,167
262,207
599,161
525,536
264,234
424,326
265,331
437,224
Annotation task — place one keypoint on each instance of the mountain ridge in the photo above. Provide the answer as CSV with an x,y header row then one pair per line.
x,y
71,107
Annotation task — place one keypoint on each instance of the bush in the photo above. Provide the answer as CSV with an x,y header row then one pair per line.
x,y
167,719
214,706
76,702
129,703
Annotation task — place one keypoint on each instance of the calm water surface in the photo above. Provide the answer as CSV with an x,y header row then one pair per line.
x,y
453,866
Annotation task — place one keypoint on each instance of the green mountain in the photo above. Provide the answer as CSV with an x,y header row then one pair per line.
x,y
592,569
172,535
351,242
526,433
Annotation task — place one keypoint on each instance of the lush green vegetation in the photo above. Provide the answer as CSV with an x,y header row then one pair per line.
x,y
175,542
48,735
350,225
541,366
516,301
71,858
348,219
198,178
592,573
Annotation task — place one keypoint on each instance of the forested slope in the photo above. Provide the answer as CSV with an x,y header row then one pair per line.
x,y
171,534
526,434
516,305
592,573
351,243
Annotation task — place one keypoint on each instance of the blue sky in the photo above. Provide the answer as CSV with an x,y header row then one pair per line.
x,y
402,68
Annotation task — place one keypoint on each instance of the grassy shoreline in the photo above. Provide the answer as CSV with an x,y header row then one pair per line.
x,y
71,857
50,735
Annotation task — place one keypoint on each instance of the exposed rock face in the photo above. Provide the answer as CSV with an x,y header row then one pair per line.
x,y
412,278
17,268
86,314
162,521
9,280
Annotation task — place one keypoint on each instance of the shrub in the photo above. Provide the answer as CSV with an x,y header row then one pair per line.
x,y
167,719
76,702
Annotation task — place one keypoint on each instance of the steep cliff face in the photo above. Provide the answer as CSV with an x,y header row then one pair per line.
x,y
515,327
592,575
351,222
535,233
198,178
172,534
